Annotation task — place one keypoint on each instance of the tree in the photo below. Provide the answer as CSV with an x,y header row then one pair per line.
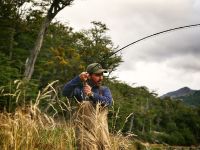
x,y
97,47
65,53
10,13
55,7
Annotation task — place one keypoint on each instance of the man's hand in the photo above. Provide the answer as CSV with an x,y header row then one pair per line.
x,y
87,89
84,76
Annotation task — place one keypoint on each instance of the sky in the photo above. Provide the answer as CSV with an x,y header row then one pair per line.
x,y
162,63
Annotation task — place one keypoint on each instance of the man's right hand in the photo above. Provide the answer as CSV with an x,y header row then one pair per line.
x,y
84,76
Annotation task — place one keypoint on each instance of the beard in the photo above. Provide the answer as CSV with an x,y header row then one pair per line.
x,y
98,83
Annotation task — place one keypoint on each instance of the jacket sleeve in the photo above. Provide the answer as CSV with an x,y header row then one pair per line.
x,y
70,86
105,98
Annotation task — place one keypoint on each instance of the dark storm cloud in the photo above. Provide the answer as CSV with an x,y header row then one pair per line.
x,y
167,48
168,45
174,45
186,64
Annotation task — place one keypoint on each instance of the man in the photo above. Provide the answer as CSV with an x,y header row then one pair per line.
x,y
91,117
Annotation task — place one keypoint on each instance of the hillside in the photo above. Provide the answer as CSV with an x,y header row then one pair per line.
x,y
152,119
185,91
185,94
192,99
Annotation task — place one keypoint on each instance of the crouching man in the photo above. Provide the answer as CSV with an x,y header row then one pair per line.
x,y
90,118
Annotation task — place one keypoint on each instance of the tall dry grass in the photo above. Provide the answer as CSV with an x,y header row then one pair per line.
x,y
28,128
23,131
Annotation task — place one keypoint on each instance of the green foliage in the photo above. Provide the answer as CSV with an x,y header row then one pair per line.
x,y
193,99
154,120
7,71
17,93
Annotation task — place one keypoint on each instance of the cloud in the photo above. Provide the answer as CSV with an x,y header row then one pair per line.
x,y
188,64
166,47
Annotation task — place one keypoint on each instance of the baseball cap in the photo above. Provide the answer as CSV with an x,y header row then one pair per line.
x,y
95,68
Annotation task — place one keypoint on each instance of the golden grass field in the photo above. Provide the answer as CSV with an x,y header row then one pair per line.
x,y
30,129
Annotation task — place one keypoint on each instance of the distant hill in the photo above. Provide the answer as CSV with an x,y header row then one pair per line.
x,y
187,95
192,99
185,91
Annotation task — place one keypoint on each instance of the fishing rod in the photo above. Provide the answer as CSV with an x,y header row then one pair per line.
x,y
155,34
146,37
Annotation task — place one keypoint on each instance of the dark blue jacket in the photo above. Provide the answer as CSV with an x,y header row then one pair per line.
x,y
74,88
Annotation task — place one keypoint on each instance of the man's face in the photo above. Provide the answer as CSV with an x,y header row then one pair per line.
x,y
97,78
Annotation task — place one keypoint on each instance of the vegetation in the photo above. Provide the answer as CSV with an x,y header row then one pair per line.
x,y
153,119
192,99
31,120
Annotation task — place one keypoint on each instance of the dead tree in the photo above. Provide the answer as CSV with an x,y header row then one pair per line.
x,y
55,7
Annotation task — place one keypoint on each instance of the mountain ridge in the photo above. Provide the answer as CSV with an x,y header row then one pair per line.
x,y
185,94
184,91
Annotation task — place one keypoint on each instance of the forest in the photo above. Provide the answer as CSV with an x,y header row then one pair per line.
x,y
64,53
